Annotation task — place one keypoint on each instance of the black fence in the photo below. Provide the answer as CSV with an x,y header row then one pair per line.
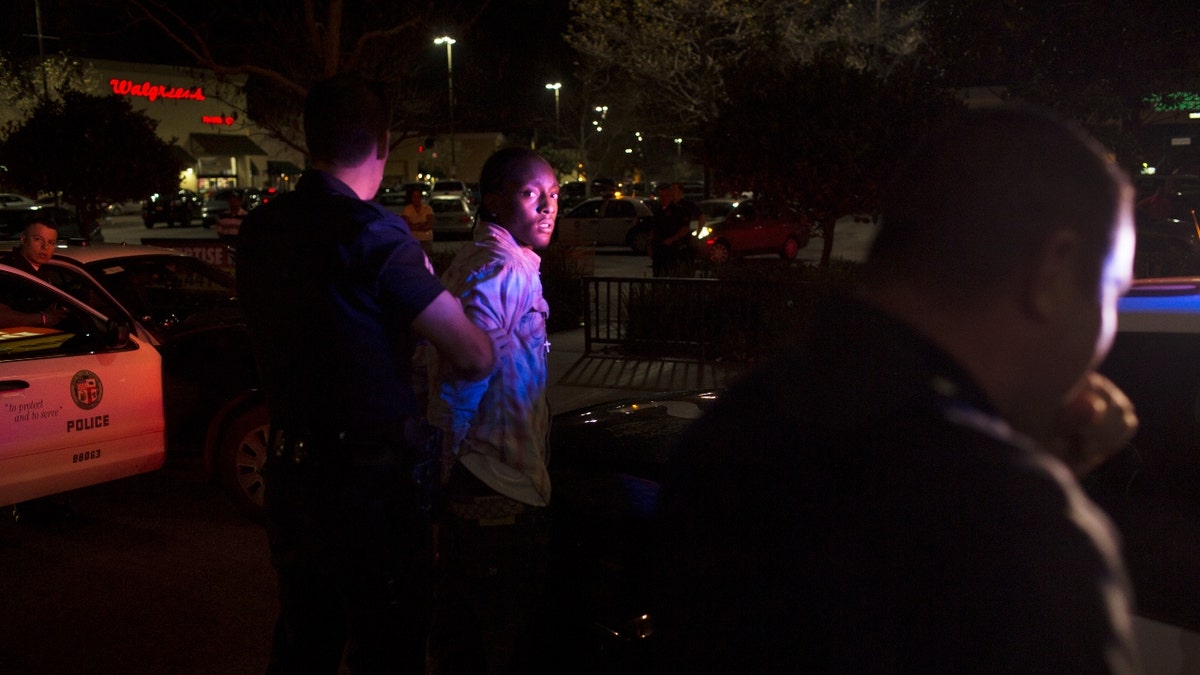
x,y
694,319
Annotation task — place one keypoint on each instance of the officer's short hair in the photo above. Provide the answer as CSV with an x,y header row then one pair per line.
x,y
346,120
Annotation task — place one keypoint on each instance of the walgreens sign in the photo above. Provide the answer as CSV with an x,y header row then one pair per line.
x,y
154,92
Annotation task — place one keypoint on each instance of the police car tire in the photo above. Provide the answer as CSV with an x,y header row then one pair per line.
x,y
241,455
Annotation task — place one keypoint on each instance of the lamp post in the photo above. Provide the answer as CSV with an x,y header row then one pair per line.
x,y
555,87
678,156
449,42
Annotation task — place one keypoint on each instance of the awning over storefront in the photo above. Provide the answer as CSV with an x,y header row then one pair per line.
x,y
282,168
231,145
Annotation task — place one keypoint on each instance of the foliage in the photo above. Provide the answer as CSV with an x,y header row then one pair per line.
x,y
807,100
23,84
91,150
681,51
824,136
1101,63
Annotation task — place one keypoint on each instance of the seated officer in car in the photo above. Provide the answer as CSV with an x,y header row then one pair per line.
x,y
36,248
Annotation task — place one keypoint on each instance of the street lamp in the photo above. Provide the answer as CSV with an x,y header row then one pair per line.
x,y
449,42
555,87
678,156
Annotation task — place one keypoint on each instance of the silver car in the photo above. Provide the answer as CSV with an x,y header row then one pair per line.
x,y
452,217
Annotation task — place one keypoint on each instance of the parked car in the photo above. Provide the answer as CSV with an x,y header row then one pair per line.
x,y
393,201
751,227
403,189
615,221
216,422
716,210
571,194
181,207
450,187
453,217
13,199
13,220
218,202
83,400
122,208
692,190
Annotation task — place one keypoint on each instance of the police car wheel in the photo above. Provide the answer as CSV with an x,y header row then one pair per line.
x,y
243,452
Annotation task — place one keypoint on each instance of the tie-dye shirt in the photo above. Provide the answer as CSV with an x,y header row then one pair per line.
x,y
497,426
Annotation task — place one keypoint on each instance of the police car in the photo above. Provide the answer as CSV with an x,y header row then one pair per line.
x,y
187,310
80,401
1152,489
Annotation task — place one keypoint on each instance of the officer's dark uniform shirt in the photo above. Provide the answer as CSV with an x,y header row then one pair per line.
x,y
18,297
857,506
330,285
15,259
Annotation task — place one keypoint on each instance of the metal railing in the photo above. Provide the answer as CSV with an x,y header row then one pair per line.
x,y
691,319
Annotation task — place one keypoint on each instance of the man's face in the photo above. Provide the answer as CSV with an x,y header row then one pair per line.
x,y
1115,280
37,245
1087,330
528,204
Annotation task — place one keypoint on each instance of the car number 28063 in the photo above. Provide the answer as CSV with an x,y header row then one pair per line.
x,y
85,456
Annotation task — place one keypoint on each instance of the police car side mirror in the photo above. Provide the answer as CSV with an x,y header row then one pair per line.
x,y
116,333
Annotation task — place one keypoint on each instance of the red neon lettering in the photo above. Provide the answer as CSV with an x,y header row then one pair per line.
x,y
155,91
217,119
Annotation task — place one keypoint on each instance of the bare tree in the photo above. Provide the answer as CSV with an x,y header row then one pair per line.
x,y
682,50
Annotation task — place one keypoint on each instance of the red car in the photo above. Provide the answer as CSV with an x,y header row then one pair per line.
x,y
750,227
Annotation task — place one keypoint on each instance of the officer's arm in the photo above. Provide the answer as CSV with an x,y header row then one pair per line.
x,y
460,342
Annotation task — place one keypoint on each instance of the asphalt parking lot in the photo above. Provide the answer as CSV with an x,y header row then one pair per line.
x,y
151,574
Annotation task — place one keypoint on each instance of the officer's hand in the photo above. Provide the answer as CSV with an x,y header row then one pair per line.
x,y
1093,425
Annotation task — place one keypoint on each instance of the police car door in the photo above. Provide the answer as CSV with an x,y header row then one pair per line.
x,y
80,400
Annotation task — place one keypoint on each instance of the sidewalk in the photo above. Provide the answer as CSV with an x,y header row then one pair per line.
x,y
578,379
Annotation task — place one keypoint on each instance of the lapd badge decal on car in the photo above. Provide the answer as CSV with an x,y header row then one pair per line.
x,y
86,389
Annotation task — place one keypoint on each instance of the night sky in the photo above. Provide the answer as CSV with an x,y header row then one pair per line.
x,y
502,62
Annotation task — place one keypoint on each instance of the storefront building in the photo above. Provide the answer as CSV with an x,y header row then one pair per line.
x,y
219,145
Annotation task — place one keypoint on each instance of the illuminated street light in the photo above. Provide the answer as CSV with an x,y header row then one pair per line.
x,y
555,87
678,156
449,42
599,124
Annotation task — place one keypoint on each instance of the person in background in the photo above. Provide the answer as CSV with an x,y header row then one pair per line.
x,y
36,247
336,293
419,217
670,242
899,494
493,530
229,222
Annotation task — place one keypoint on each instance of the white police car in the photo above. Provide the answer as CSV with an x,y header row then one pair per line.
x,y
187,309
80,401
1152,489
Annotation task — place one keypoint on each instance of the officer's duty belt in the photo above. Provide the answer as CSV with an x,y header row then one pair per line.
x,y
336,448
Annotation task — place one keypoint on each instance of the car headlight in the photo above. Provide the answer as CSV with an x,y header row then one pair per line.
x,y
701,233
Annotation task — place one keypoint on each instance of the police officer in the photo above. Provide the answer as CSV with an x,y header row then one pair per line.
x,y
336,292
